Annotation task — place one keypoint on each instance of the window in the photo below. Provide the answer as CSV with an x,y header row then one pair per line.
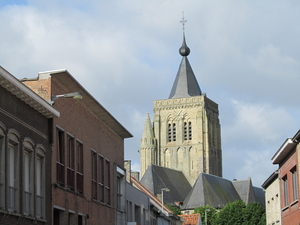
x,y
94,175
2,166
295,183
285,190
70,168
120,188
13,176
107,181
60,165
119,194
40,181
101,177
171,132
79,173
13,166
28,177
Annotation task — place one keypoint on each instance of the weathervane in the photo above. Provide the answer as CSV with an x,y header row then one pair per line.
x,y
183,21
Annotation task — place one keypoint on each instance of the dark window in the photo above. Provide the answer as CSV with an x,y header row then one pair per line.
x,y
60,165
295,183
70,168
107,181
79,173
285,190
94,175
101,178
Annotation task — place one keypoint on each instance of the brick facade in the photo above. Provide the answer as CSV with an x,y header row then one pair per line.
x,y
20,125
80,122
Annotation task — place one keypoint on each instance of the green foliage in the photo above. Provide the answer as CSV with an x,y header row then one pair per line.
x,y
231,214
210,213
175,209
238,213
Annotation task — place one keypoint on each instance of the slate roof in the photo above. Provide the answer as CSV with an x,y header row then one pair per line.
x,y
185,84
210,190
157,177
217,192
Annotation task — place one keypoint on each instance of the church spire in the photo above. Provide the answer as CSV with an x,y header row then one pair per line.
x,y
148,139
185,84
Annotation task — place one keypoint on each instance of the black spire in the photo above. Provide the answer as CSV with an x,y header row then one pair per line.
x,y
185,84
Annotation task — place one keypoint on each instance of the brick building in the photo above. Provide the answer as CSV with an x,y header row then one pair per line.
x,y
287,158
88,179
25,153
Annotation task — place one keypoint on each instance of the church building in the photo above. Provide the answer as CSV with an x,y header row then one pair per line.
x,y
185,134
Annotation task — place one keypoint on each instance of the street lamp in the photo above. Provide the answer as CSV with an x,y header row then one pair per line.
x,y
75,95
162,198
206,210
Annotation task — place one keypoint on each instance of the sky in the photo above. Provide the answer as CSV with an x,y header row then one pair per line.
x,y
245,55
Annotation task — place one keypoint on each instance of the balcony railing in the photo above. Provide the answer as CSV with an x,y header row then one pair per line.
x,y
27,205
60,173
39,206
70,178
79,186
12,192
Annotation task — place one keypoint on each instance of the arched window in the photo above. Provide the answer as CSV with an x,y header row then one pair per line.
x,y
167,158
187,130
2,165
171,132
13,168
40,181
28,176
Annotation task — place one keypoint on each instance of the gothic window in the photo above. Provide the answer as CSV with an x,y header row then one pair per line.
x,y
167,158
180,157
187,131
174,132
171,132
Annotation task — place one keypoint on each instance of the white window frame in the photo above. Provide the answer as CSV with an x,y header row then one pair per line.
x,y
40,181
2,165
13,163
28,175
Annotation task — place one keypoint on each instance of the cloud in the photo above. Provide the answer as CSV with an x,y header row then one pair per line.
x,y
245,55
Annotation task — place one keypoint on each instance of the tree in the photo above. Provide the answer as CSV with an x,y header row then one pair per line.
x,y
175,209
238,213
231,214
210,213
254,213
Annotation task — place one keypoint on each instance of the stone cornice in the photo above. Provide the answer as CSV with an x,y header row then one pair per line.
x,y
180,103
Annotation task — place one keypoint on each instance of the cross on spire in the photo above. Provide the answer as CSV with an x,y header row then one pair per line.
x,y
183,21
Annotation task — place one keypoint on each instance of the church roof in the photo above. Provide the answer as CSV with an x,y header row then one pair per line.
x,y
210,190
217,192
157,177
185,84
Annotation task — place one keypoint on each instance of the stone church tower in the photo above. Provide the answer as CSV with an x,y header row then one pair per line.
x,y
185,134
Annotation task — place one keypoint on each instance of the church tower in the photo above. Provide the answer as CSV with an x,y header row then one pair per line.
x,y
186,133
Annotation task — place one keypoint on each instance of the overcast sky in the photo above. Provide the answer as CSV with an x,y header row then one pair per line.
x,y
245,55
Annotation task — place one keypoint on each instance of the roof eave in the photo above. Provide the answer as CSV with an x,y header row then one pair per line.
x,y
90,102
283,151
13,85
